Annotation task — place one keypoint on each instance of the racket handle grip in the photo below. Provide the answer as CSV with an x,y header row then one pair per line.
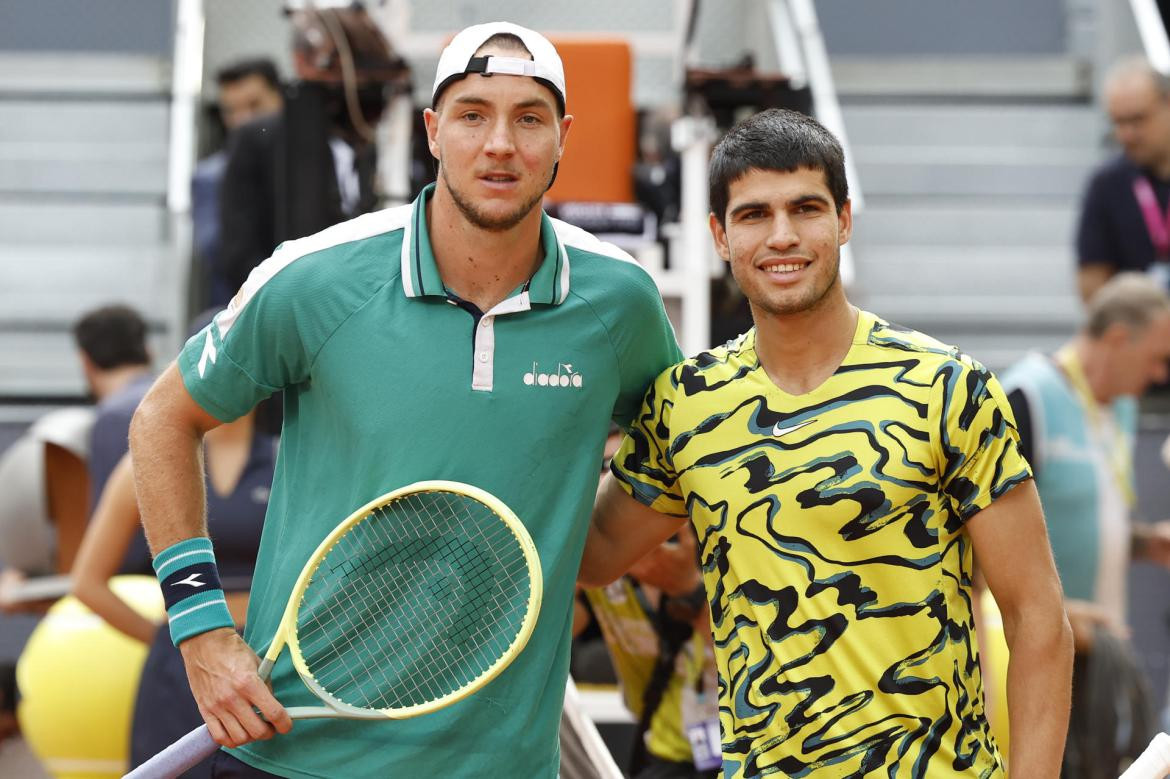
x,y
178,757
1153,763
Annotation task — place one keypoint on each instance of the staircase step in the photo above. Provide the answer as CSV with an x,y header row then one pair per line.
x,y
44,363
48,284
76,220
1077,126
1033,77
882,174
976,271
965,221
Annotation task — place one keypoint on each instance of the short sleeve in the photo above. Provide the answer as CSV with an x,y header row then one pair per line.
x,y
1097,242
643,465
645,344
251,349
979,445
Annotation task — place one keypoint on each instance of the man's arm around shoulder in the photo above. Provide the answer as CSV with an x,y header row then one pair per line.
x,y
165,443
621,532
1013,553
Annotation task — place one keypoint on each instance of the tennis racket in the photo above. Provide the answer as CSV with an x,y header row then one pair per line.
x,y
415,601
1153,763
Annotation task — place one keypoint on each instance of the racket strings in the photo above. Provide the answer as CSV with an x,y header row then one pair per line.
x,y
416,601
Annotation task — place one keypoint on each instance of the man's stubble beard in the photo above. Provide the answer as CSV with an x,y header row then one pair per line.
x,y
481,220
799,306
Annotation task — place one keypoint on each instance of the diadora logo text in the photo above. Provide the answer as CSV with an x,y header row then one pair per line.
x,y
564,376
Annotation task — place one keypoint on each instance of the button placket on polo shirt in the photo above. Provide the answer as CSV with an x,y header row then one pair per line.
x,y
483,353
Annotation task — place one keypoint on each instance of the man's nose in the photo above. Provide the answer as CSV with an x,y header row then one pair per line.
x,y
500,141
783,234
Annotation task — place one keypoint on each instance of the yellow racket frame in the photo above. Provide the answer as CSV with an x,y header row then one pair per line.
x,y
286,633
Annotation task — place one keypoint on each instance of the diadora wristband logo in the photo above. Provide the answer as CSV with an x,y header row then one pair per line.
x,y
565,376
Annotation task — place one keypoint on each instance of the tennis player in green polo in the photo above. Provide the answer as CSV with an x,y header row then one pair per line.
x,y
467,336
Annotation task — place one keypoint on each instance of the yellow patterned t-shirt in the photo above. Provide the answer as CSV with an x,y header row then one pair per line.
x,y
831,533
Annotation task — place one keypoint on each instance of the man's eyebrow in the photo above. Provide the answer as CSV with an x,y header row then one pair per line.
x,y
533,102
471,100
757,205
810,197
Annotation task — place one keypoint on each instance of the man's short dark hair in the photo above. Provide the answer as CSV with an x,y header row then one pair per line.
x,y
112,336
507,41
238,71
779,140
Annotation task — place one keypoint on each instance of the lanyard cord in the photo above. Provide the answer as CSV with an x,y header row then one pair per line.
x,y
1157,225
1116,452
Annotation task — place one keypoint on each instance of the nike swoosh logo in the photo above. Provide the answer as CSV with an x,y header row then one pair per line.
x,y
780,431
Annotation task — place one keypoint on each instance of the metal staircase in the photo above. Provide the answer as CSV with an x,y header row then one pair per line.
x,y
971,204
87,209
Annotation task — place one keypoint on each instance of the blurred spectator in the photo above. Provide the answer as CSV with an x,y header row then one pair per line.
x,y
248,89
116,364
312,165
1124,222
51,476
1076,412
44,487
42,520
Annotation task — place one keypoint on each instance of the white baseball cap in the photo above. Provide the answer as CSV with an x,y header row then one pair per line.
x,y
458,59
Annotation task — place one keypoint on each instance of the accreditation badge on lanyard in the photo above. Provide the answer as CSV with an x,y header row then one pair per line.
x,y
1158,226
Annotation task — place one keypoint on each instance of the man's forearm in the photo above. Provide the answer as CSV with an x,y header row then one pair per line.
x,y
1039,689
168,477
622,530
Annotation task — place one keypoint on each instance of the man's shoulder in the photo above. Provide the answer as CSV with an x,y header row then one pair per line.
x,y
335,270
337,253
592,258
123,401
893,341
717,368
1118,170
1032,370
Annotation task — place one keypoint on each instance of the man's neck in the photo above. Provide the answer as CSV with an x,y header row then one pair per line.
x,y
1093,361
481,266
110,381
1160,167
800,351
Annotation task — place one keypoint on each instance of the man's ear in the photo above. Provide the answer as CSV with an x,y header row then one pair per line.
x,y
720,237
845,223
566,122
431,121
1117,334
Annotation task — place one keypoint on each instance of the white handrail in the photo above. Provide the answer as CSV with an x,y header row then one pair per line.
x,y
1153,33
186,86
186,89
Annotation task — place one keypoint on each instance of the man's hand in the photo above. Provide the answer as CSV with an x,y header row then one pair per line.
x,y
222,671
671,566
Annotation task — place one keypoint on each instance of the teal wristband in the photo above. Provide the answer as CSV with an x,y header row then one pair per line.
x,y
191,589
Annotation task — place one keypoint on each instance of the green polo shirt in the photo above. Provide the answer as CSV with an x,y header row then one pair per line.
x,y
388,382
